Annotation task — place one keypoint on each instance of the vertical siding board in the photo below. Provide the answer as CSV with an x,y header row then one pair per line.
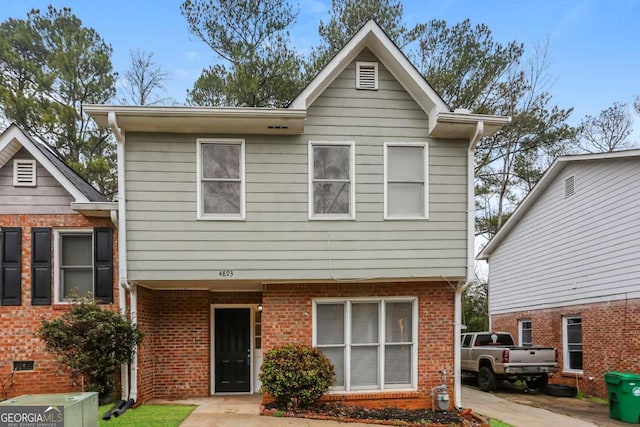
x,y
161,198
577,249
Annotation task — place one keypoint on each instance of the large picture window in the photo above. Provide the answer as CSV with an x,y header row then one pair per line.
x,y
221,179
405,181
572,343
331,180
372,343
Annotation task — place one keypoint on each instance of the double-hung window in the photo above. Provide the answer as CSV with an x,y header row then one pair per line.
x,y
572,332
371,342
84,264
331,180
221,179
525,329
405,181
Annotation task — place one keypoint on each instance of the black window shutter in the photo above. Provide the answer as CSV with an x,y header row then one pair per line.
x,y
40,266
11,266
103,264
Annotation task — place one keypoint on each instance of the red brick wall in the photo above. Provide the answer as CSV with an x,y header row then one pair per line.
x,y
19,323
610,339
174,356
287,317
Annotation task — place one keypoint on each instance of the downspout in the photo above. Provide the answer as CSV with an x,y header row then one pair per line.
x,y
122,239
471,213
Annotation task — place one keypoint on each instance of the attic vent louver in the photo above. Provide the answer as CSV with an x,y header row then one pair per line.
x,y
569,186
367,75
24,173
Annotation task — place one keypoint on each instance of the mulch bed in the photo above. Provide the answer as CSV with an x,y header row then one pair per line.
x,y
388,416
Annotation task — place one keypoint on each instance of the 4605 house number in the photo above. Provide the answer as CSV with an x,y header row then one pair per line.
x,y
225,273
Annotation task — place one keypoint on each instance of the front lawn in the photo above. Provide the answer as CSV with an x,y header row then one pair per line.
x,y
147,415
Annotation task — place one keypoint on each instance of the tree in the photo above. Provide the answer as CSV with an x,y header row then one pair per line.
x,y
256,67
92,343
348,16
50,64
475,307
607,132
143,79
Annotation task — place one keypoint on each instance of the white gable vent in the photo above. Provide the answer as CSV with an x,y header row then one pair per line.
x,y
367,75
24,173
569,186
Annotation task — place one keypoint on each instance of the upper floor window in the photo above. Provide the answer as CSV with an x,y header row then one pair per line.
x,y
525,329
405,181
572,334
221,180
331,180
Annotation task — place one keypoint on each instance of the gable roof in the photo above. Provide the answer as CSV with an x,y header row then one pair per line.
x,y
14,138
443,123
547,179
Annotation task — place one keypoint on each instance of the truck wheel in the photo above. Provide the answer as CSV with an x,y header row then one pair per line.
x,y
561,390
538,383
486,379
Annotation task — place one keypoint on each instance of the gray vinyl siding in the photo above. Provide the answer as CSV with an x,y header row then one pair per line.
x,y
574,250
278,241
48,197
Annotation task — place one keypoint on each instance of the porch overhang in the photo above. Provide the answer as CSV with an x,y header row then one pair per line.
x,y
274,121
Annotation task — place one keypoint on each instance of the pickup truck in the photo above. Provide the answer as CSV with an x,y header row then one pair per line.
x,y
493,356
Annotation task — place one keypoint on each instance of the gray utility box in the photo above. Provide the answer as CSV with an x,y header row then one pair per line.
x,y
50,410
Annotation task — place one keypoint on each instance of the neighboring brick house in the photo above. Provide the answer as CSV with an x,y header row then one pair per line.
x,y
344,221
56,240
564,270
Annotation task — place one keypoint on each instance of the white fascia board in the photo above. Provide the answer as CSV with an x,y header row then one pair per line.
x,y
15,133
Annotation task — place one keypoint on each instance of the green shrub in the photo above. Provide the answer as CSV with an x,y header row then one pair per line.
x,y
296,375
92,342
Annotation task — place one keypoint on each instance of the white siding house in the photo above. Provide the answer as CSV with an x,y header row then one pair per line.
x,y
565,268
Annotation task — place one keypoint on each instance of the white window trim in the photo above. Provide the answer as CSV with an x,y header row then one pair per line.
x,y
352,181
565,344
360,64
520,329
425,169
57,261
200,205
24,162
381,328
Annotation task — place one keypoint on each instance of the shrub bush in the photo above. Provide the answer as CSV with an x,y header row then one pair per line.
x,y
92,342
296,375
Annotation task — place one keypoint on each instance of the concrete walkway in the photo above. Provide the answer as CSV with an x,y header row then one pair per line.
x,y
242,411
516,414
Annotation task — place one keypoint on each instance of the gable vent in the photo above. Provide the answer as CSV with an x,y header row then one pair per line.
x,y
569,186
24,173
367,75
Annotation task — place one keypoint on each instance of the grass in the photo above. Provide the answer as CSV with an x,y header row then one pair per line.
x,y
584,396
497,423
148,415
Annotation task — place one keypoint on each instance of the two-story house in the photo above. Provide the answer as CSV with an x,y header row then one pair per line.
x,y
344,221
564,270
57,242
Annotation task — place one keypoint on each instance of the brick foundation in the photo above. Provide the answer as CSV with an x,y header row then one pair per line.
x,y
20,323
609,336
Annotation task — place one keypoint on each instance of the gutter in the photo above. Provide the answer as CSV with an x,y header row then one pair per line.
x,y
471,213
126,393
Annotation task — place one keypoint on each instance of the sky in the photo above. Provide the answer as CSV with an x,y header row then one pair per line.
x,y
594,45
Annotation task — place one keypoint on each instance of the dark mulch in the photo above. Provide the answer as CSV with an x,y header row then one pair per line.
x,y
416,416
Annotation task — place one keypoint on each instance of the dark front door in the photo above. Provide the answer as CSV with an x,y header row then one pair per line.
x,y
232,350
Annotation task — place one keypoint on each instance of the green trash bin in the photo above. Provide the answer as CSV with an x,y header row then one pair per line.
x,y
623,390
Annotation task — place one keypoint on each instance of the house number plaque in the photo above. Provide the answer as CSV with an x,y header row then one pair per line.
x,y
225,273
